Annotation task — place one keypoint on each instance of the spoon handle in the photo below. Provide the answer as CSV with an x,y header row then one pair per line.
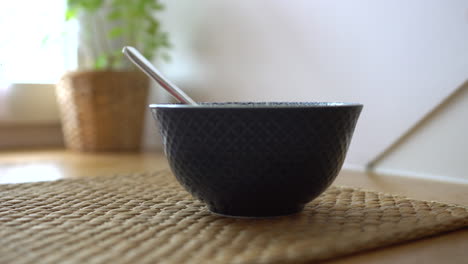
x,y
141,62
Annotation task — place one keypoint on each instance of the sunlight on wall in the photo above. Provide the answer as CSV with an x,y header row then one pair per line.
x,y
399,58
29,173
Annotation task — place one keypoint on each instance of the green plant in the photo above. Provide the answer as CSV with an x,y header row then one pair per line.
x,y
129,22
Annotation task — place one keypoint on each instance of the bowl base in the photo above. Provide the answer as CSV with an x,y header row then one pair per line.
x,y
257,214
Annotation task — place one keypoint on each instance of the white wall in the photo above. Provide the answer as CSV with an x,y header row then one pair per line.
x,y
24,103
399,58
438,148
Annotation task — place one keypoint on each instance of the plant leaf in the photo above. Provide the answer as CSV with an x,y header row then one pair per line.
x,y
155,5
133,21
165,57
116,32
114,14
70,14
45,40
101,62
153,27
91,5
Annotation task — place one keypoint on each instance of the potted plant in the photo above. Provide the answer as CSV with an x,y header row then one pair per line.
x,y
103,103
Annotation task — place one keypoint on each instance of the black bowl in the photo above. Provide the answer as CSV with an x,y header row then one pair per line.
x,y
256,159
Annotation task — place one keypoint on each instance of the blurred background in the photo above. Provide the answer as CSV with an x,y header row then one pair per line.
x,y
406,61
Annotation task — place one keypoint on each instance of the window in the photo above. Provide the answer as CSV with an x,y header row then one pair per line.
x,y
36,44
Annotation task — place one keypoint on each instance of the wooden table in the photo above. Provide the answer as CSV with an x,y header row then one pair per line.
x,y
44,165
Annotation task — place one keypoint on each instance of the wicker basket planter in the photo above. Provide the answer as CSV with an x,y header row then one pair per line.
x,y
103,110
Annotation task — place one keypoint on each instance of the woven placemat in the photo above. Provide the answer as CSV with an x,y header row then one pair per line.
x,y
149,218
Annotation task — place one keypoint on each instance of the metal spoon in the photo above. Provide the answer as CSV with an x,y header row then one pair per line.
x,y
141,62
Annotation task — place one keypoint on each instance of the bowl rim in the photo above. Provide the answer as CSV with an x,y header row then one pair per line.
x,y
252,105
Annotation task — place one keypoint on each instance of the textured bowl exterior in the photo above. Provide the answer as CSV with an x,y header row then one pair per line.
x,y
256,161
